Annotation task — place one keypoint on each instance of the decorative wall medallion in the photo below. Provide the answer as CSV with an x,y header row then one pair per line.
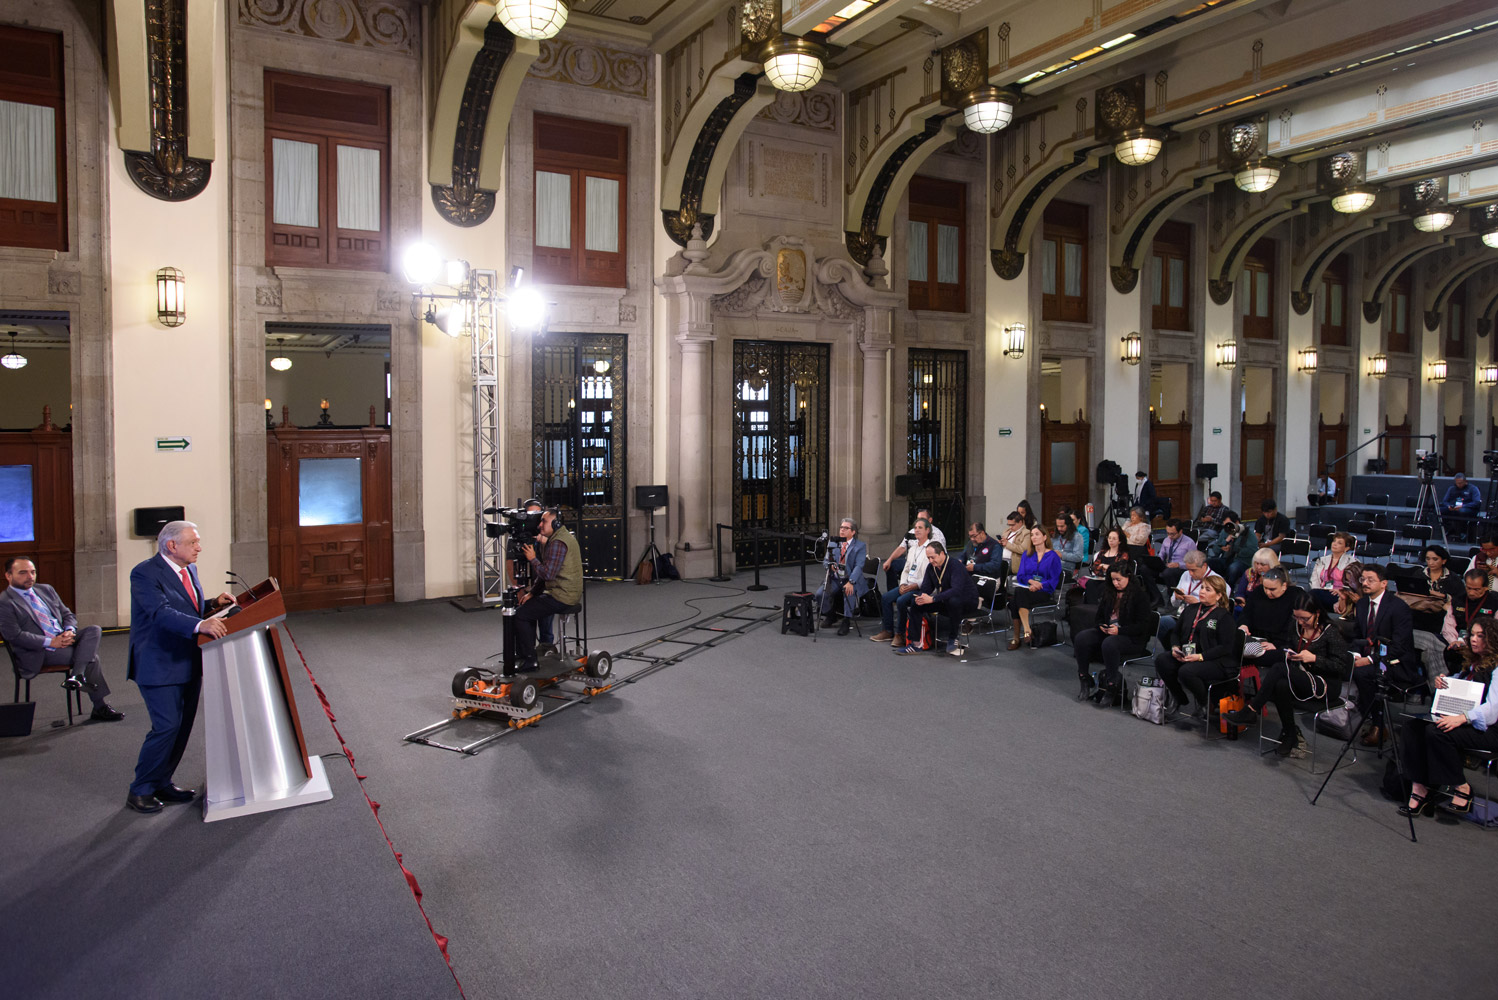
x,y
462,202
627,313
790,274
1432,319
166,171
1220,289
390,300
598,66
268,296
809,109
64,283
1007,264
1372,310
1125,278
380,24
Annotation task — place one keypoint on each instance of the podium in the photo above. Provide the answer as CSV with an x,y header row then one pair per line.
x,y
257,755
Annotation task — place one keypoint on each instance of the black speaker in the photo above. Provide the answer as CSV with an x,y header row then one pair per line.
x,y
1108,472
15,720
150,520
912,483
651,497
1206,470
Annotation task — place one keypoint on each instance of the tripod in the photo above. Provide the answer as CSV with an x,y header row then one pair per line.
x,y
1425,505
651,552
1380,703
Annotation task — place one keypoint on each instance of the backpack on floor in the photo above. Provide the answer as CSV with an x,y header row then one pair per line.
x,y
1044,633
1149,700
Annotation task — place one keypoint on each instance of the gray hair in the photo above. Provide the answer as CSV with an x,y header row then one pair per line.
x,y
173,532
1137,510
850,523
1194,558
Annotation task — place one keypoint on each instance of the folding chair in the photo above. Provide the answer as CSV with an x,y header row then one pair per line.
x,y
1380,544
1146,656
70,695
1295,555
1055,611
1320,536
1359,528
1325,701
982,623
1420,534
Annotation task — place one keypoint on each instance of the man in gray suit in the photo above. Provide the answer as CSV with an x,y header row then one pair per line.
x,y
43,632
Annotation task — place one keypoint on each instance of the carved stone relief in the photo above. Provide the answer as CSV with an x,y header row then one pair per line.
x,y
380,24
591,65
809,109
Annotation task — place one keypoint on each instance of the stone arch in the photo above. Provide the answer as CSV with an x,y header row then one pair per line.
x,y
880,186
1306,271
1441,285
1381,274
1015,222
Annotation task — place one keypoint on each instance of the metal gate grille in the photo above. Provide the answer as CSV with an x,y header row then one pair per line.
x,y
936,443
578,424
780,408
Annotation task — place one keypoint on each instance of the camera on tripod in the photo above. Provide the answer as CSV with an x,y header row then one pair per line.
x,y
1427,463
1110,473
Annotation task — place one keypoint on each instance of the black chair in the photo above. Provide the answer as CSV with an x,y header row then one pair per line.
x,y
1295,555
1376,499
985,621
73,696
1320,536
1359,527
868,605
1420,534
1380,544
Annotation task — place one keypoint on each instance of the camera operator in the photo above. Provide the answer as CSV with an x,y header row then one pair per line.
x,y
1234,551
520,576
558,577
1462,500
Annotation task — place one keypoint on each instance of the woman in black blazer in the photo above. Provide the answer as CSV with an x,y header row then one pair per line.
x,y
1205,648
1317,662
1122,631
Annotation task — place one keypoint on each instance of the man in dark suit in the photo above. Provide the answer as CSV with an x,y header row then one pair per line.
x,y
167,610
1381,618
1148,500
43,632
844,561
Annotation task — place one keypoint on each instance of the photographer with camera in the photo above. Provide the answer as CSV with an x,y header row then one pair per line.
x,y
1234,551
558,584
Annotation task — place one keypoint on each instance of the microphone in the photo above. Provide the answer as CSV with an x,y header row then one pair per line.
x,y
824,537
235,577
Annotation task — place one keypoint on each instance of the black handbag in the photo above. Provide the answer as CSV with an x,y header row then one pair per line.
x,y
1044,633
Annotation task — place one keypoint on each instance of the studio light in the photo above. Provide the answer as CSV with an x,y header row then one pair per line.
x,y
15,359
1258,175
280,362
422,264
171,297
1308,360
1133,348
534,19
1487,374
1378,365
1139,146
1434,222
1437,370
987,109
1354,200
525,308
1227,355
1014,341
793,64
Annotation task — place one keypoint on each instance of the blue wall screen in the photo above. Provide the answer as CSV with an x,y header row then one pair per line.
x,y
332,492
16,521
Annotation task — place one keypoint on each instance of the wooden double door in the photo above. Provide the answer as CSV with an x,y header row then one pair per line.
x,y
329,515
1065,467
1256,467
1170,463
36,504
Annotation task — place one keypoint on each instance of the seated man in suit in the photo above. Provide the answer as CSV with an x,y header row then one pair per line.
x,y
949,592
167,609
844,561
44,632
1381,617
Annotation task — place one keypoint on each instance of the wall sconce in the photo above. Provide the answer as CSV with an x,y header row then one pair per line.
x,y
1437,370
1308,361
1378,365
1014,341
171,297
1133,348
1487,375
1227,355
270,420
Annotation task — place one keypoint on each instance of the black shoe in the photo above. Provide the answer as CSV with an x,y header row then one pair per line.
x,y
829,621
1289,740
103,713
844,627
71,683
143,803
1086,691
169,794
1245,716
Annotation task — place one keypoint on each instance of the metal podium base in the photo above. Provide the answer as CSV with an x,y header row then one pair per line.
x,y
314,789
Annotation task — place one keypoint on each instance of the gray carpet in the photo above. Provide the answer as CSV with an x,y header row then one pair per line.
x,y
779,817
783,817
103,902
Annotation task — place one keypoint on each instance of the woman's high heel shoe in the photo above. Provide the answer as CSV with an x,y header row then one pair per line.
x,y
1422,805
1458,810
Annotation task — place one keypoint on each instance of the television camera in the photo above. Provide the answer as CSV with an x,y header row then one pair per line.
x,y
519,527
1428,464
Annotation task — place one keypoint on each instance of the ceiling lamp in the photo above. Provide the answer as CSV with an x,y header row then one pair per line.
x,y
534,19
1378,365
1139,146
1014,341
987,109
280,362
1227,355
1354,200
15,359
1487,375
793,64
1438,370
171,297
1434,222
1491,239
1258,175
1133,348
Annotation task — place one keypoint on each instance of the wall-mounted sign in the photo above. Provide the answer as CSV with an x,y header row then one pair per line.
x,y
1217,430
1005,431
174,444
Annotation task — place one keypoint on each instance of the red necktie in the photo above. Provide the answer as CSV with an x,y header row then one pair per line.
x,y
187,582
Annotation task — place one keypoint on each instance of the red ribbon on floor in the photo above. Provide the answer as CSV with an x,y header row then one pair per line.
x,y
374,808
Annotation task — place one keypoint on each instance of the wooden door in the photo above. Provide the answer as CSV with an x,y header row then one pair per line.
x,y
1256,467
1170,463
1331,444
1453,449
1397,448
330,515
36,503
1065,467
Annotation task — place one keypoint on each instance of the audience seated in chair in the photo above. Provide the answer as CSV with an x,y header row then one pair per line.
x,y
1173,551
897,600
1069,543
1187,594
1121,632
894,563
1463,500
844,562
1434,621
1269,617
1476,602
1016,539
1035,585
1432,751
1329,573
1272,527
1209,520
1204,648
43,632
1234,550
1381,617
983,555
1317,661
948,595
1264,560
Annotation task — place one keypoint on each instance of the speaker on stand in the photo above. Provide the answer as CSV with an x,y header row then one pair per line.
x,y
1206,471
650,499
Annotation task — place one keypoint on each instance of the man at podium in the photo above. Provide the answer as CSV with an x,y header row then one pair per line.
x,y
167,611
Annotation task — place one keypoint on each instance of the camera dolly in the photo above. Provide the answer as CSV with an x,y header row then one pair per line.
x,y
517,697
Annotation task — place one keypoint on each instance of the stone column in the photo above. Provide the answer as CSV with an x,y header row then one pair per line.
x,y
694,548
873,507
